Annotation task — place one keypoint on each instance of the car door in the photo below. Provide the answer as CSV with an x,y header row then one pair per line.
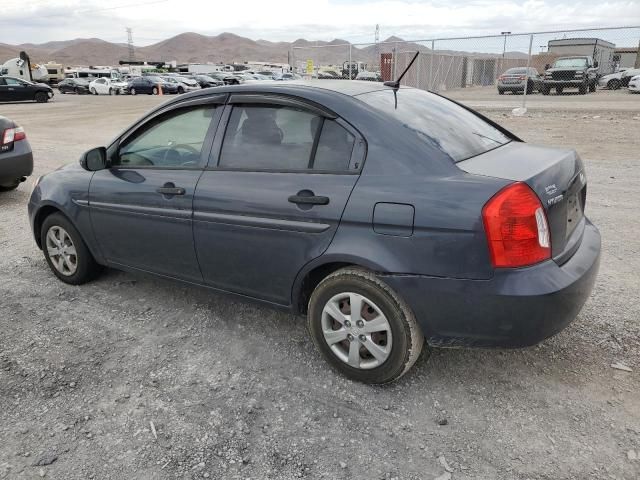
x,y
271,199
4,90
99,85
17,90
141,207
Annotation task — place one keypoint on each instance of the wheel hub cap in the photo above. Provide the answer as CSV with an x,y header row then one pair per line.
x,y
356,330
62,251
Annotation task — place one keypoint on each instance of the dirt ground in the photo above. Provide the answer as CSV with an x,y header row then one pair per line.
x,y
134,377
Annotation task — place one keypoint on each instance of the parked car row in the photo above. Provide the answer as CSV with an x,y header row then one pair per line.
x,y
578,72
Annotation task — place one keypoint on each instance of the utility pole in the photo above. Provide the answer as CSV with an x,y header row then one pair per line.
x,y
504,45
132,56
376,50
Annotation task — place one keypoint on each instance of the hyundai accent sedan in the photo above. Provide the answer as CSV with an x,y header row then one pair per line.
x,y
389,217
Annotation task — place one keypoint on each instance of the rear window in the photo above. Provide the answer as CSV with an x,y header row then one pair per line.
x,y
439,122
517,71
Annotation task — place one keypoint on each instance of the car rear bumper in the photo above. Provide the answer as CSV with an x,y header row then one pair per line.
x,y
16,163
515,308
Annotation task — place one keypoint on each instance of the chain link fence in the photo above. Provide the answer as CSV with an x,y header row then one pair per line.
x,y
506,63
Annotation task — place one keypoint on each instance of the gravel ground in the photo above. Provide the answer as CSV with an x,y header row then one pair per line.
x,y
135,377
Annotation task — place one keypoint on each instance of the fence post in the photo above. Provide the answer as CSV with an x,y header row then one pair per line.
x,y
350,71
526,77
418,73
429,83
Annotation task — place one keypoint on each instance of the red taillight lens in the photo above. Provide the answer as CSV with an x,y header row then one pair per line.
x,y
12,135
516,227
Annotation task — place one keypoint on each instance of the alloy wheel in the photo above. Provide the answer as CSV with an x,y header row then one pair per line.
x,y
61,251
356,330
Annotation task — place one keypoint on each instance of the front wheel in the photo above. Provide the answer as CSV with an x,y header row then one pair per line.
x,y
154,91
132,91
41,97
65,251
614,84
362,328
592,87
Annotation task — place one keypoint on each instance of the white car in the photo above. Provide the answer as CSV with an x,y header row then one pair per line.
x,y
184,84
106,86
634,84
612,80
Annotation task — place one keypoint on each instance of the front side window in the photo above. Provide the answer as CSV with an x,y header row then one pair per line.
x,y
170,142
438,122
13,81
283,138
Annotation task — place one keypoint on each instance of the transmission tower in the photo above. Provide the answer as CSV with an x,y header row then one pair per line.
x,y
130,44
377,46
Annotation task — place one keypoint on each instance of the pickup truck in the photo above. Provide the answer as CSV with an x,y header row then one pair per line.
x,y
571,72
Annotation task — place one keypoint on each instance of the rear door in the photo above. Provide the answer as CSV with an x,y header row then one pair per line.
x,y
277,184
141,207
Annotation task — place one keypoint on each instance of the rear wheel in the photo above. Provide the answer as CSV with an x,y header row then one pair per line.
x,y
500,92
614,84
363,329
592,87
529,87
154,91
41,97
545,90
65,251
93,90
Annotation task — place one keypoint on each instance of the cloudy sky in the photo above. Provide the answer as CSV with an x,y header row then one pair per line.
x,y
37,21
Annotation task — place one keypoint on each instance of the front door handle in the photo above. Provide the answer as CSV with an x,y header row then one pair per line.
x,y
307,197
170,189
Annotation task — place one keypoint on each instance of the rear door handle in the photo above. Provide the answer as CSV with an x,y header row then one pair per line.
x,y
171,190
309,199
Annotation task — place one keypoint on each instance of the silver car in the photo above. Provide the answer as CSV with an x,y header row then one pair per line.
x,y
513,80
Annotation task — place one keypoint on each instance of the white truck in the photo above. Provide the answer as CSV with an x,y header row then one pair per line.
x,y
21,67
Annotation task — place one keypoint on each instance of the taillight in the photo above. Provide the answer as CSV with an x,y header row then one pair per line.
x,y
516,227
11,135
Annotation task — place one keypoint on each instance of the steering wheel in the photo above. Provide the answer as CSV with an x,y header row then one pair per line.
x,y
182,146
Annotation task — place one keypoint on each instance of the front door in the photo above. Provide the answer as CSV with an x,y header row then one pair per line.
x,y
16,90
273,196
141,207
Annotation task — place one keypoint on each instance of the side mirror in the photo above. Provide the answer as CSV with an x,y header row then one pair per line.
x,y
546,67
94,159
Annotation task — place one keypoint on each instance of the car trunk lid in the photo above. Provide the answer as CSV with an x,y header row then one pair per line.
x,y
555,175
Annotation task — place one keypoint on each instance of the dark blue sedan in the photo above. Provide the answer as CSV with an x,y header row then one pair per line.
x,y
388,216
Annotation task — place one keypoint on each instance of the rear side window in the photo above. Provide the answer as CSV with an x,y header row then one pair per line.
x,y
280,138
438,122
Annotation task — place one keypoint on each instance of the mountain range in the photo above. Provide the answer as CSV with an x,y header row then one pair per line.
x,y
195,48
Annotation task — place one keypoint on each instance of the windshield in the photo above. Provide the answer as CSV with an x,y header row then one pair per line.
x,y
570,62
439,122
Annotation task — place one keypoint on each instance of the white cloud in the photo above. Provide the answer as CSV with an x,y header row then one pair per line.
x,y
38,21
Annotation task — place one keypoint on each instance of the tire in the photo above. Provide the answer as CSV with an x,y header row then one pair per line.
x,y
7,187
592,87
86,268
559,90
614,84
76,91
583,88
529,88
132,91
154,91
93,91
500,92
180,90
41,97
544,90
110,91
398,343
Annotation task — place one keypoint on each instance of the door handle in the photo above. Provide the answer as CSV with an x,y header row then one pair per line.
x,y
309,199
167,190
